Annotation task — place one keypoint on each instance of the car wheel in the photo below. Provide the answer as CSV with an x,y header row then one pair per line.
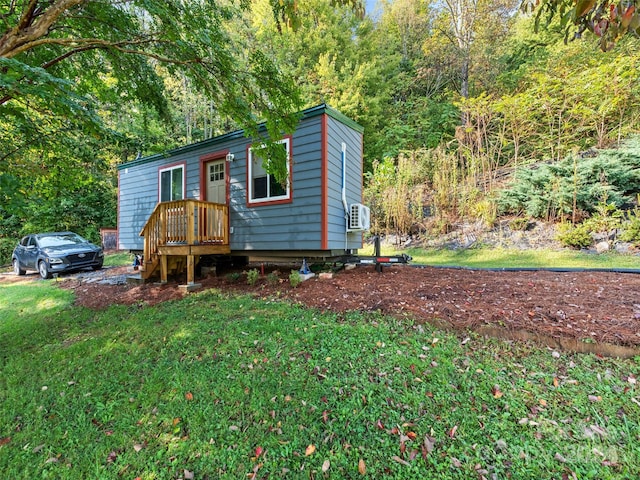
x,y
16,267
97,267
43,270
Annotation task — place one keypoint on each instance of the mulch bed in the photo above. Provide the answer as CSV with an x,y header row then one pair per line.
x,y
585,311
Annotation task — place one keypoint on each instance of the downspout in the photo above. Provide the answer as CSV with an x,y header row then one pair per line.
x,y
344,194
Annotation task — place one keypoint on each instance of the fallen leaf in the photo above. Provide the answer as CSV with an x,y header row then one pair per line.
x,y
542,402
555,382
137,447
560,458
411,435
111,457
188,475
497,393
399,460
452,432
5,440
362,468
594,398
599,430
188,396
259,451
429,443
310,450
456,463
325,466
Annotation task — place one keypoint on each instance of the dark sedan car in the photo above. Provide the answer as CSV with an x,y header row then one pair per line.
x,y
55,252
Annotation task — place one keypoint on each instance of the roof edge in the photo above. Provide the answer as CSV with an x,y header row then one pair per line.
x,y
307,113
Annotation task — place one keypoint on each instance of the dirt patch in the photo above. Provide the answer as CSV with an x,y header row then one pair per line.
x,y
581,308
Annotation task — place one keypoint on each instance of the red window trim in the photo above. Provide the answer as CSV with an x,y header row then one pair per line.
x,y
280,201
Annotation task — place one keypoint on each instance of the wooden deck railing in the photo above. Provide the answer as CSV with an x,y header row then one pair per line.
x,y
185,222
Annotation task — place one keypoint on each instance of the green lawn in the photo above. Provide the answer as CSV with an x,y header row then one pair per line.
x,y
511,258
221,387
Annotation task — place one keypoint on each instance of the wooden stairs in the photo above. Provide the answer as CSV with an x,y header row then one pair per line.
x,y
177,233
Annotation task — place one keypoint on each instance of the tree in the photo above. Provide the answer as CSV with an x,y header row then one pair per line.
x,y
56,57
331,53
472,26
607,19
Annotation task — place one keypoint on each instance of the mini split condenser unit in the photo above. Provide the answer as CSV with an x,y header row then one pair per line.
x,y
359,217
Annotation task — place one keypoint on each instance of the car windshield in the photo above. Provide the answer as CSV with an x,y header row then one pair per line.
x,y
60,239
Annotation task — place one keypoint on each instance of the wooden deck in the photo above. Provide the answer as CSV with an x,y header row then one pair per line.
x,y
178,232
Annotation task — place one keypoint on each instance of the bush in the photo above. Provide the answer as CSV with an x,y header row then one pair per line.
x,y
519,224
574,236
631,227
606,219
6,249
294,278
252,276
564,189
233,277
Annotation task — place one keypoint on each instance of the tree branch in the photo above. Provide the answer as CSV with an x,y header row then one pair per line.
x,y
33,25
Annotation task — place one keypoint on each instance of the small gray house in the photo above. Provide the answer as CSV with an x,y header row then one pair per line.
x,y
214,198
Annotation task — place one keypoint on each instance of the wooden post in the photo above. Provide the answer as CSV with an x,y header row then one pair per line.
x,y
191,269
164,269
191,224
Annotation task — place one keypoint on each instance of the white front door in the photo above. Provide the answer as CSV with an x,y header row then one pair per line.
x,y
216,182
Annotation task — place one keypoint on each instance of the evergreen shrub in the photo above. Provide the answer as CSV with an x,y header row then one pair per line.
x,y
631,227
574,236
560,190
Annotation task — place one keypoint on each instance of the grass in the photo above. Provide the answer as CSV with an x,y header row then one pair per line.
x,y
118,259
219,386
512,258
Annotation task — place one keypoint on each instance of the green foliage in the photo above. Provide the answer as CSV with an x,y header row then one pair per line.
x,y
607,20
578,236
252,276
574,185
631,227
294,278
519,223
273,278
395,192
233,277
607,218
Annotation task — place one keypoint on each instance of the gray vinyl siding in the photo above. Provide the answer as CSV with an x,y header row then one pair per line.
x,y
337,224
137,197
287,226
279,227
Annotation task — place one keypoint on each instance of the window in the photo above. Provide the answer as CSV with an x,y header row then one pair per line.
x,y
216,172
263,187
172,183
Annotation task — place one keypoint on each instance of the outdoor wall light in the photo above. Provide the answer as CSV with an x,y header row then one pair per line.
x,y
229,157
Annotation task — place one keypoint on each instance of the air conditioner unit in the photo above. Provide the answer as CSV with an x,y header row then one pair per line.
x,y
359,217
